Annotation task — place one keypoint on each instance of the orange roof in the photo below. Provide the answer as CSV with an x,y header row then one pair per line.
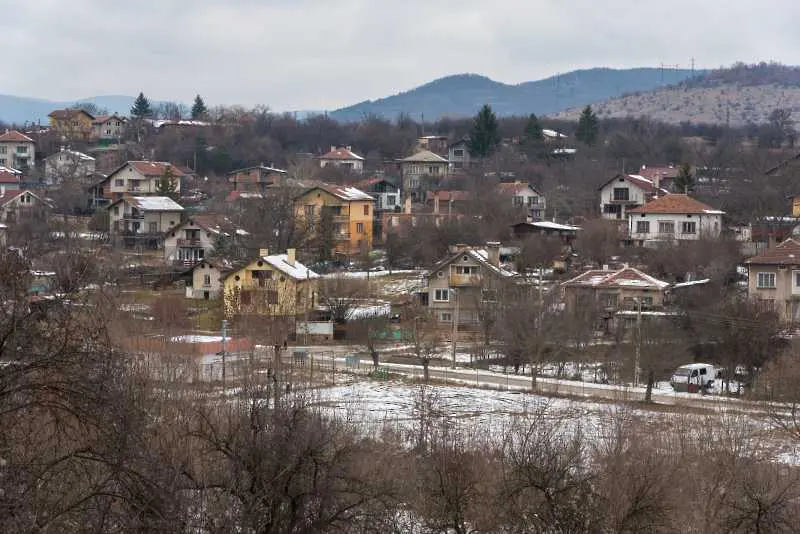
x,y
785,253
8,177
676,203
659,171
155,168
61,114
512,188
13,136
341,154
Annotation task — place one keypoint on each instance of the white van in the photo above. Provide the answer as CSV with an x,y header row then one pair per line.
x,y
693,377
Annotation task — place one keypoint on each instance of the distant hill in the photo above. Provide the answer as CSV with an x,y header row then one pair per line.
x,y
18,109
463,94
737,96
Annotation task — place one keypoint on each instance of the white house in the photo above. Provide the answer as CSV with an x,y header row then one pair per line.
x,y
624,192
195,238
9,181
144,215
422,164
673,217
140,178
67,165
17,150
385,193
522,195
343,158
206,279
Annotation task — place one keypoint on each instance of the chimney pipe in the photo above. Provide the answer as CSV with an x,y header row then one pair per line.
x,y
493,249
290,256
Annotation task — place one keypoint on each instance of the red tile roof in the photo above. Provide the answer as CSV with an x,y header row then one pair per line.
x,y
623,278
659,171
8,177
785,253
512,188
645,184
676,203
13,136
341,154
155,168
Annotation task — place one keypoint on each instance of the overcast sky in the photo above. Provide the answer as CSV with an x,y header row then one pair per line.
x,y
323,54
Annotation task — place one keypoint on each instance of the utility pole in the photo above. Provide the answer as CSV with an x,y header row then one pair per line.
x,y
638,343
455,326
224,335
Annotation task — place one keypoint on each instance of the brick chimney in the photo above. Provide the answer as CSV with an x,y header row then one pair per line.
x,y
290,256
493,249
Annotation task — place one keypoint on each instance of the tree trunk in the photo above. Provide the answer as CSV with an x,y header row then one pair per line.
x,y
374,354
648,392
425,371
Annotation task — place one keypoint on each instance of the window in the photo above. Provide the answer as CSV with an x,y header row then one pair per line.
x,y
247,298
518,201
446,317
366,209
206,279
391,200
796,278
2,161
309,211
441,295
608,300
666,227
467,270
153,227
458,152
272,296
116,210
359,228
621,193
119,182
689,227
642,227
765,281
3,150
22,149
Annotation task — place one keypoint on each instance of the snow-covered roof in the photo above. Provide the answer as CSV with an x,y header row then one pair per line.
x,y
10,170
692,283
344,192
626,277
554,226
78,155
295,269
424,156
154,203
482,255
553,134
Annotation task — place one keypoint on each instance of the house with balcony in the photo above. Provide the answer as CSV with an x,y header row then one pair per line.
x,y
422,171
143,220
608,290
67,165
342,158
774,280
17,150
271,285
341,213
195,238
385,193
72,124
523,196
108,127
457,286
624,192
140,178
255,179
675,217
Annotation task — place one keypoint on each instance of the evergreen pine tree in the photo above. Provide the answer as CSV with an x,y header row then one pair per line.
x,y
485,136
141,107
684,182
588,127
533,129
167,185
199,108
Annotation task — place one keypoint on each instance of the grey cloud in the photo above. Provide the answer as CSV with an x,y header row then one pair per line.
x,y
301,54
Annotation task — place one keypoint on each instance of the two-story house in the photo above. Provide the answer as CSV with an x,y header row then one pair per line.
x,y
524,196
272,285
348,210
624,192
385,193
674,217
20,203
140,178
605,290
17,150
195,239
342,158
774,279
143,219
458,285
108,127
67,165
420,171
255,179
205,279
72,124
458,154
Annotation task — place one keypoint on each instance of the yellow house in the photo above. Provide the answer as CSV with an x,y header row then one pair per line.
x,y
276,285
72,123
350,210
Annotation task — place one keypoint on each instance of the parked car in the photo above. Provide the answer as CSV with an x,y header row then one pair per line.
x,y
693,377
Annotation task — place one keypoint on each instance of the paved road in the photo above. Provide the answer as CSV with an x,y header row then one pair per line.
x,y
334,356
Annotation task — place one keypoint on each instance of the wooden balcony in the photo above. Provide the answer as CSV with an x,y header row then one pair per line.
x,y
464,280
189,243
